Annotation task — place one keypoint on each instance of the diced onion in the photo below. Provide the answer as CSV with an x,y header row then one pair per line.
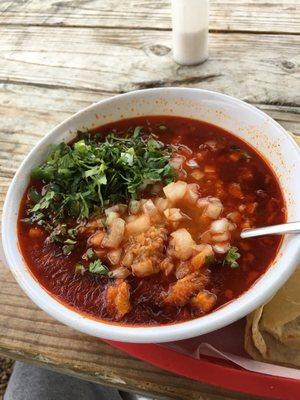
x,y
127,259
139,225
219,226
111,216
175,191
143,201
192,192
198,248
149,207
91,226
143,268
112,209
182,270
183,244
212,207
213,210
231,226
115,235
96,239
120,273
192,163
202,203
114,256
167,266
134,206
221,248
221,237
174,214
177,161
162,204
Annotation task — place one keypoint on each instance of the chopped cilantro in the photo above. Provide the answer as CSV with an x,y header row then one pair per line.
x,y
88,175
231,257
67,249
97,267
79,269
34,195
90,254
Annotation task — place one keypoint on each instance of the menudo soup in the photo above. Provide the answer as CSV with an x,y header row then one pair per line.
x,y
139,221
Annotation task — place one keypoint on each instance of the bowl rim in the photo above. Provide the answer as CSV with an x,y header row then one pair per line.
x,y
143,334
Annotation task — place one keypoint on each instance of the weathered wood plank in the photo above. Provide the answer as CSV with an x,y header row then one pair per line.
x,y
257,68
56,346
231,15
29,112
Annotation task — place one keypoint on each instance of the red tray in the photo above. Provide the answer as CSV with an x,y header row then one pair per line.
x,y
213,371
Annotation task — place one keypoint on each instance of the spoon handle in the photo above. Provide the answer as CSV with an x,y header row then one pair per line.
x,y
290,227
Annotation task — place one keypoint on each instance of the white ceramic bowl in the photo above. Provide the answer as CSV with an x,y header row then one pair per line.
x,y
246,122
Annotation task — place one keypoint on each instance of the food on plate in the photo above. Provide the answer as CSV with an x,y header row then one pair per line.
x,y
138,221
273,331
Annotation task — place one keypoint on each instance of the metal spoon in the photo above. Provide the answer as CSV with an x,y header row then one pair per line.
x,y
290,227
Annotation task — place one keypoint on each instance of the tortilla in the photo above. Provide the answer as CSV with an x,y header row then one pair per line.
x,y
281,317
249,344
273,331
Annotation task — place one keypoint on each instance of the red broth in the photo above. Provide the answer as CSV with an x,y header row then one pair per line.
x,y
231,171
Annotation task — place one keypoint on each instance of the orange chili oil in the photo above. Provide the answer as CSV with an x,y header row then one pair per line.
x,y
241,179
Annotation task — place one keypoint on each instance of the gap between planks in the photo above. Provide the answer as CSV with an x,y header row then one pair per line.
x,y
130,28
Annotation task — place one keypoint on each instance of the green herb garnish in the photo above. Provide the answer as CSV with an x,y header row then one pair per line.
x,y
231,257
90,254
34,195
67,249
97,267
79,269
92,173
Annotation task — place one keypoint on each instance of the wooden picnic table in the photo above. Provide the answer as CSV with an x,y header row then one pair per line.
x,y
57,57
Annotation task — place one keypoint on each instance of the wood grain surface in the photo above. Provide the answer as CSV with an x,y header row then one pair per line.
x,y
225,15
57,57
257,68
